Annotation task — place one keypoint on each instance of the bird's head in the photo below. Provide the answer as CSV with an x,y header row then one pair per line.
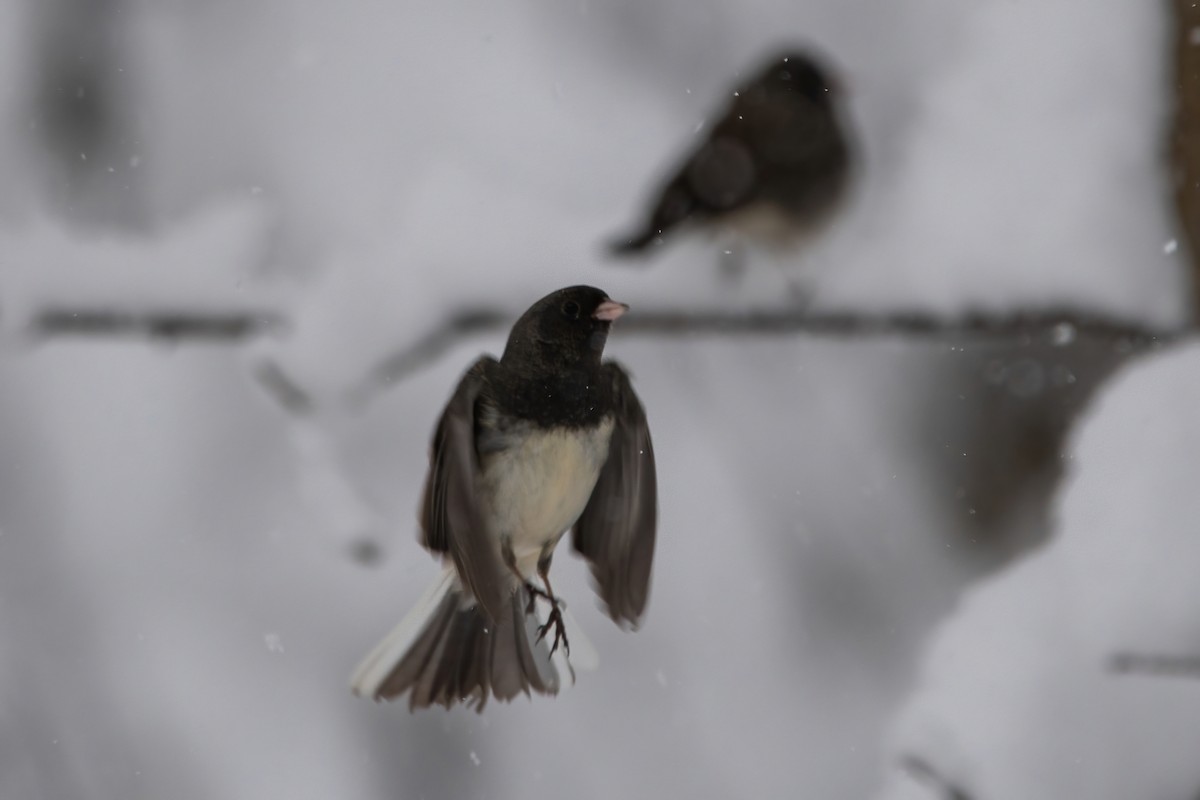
x,y
564,330
798,72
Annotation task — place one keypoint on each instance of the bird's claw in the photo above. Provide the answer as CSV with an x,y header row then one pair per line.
x,y
560,630
555,618
534,593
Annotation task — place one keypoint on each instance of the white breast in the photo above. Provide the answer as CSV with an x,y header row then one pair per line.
x,y
540,483
768,226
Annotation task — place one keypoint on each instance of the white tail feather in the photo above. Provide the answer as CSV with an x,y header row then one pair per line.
x,y
379,663
555,671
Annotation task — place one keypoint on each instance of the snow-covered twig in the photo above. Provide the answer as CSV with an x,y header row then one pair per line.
x,y
324,482
170,325
1166,666
847,324
1060,326
287,393
408,360
923,771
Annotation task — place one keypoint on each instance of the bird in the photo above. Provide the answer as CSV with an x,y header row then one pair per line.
x,y
774,169
548,438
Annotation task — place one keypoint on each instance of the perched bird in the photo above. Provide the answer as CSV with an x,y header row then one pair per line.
x,y
773,169
546,439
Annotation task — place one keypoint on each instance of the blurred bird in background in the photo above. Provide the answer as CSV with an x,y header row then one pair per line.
x,y
548,438
773,170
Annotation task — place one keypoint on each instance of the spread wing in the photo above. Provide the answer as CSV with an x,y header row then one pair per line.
x,y
617,528
453,519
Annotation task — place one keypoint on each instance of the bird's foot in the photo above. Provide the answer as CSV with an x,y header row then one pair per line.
x,y
560,628
534,593
554,619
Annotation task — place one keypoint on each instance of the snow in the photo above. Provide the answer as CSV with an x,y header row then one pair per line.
x,y
1018,137
204,262
1018,697
179,593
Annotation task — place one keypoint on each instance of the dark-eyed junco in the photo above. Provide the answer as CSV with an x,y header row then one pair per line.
x,y
773,169
548,438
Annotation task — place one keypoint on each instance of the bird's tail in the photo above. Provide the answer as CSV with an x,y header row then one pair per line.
x,y
447,650
677,205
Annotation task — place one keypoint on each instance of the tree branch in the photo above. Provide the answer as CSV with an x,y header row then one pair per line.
x,y
287,393
925,772
324,481
169,325
1057,326
408,360
1156,665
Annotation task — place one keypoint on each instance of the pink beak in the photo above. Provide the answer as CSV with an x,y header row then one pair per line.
x,y
609,310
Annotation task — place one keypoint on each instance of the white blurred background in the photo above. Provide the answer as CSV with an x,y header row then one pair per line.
x,y
184,573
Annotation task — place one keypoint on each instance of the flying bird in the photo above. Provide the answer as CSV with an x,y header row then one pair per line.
x,y
548,438
774,169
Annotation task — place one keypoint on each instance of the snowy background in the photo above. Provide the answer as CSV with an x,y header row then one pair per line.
x,y
853,569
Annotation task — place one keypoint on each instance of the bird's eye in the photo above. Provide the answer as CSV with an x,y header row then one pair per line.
x,y
570,309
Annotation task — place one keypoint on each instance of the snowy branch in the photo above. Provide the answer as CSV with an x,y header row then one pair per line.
x,y
169,325
326,484
1059,326
287,393
923,771
1161,666
404,362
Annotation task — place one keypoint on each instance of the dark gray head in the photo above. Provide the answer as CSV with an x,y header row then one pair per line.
x,y
564,330
799,72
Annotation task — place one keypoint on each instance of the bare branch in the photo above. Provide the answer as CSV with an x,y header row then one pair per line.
x,y
1058,326
282,388
1051,324
426,350
173,326
1156,665
324,480
925,772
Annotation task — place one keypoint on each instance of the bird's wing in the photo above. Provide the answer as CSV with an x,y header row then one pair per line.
x,y
719,176
617,528
722,174
453,518
796,135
